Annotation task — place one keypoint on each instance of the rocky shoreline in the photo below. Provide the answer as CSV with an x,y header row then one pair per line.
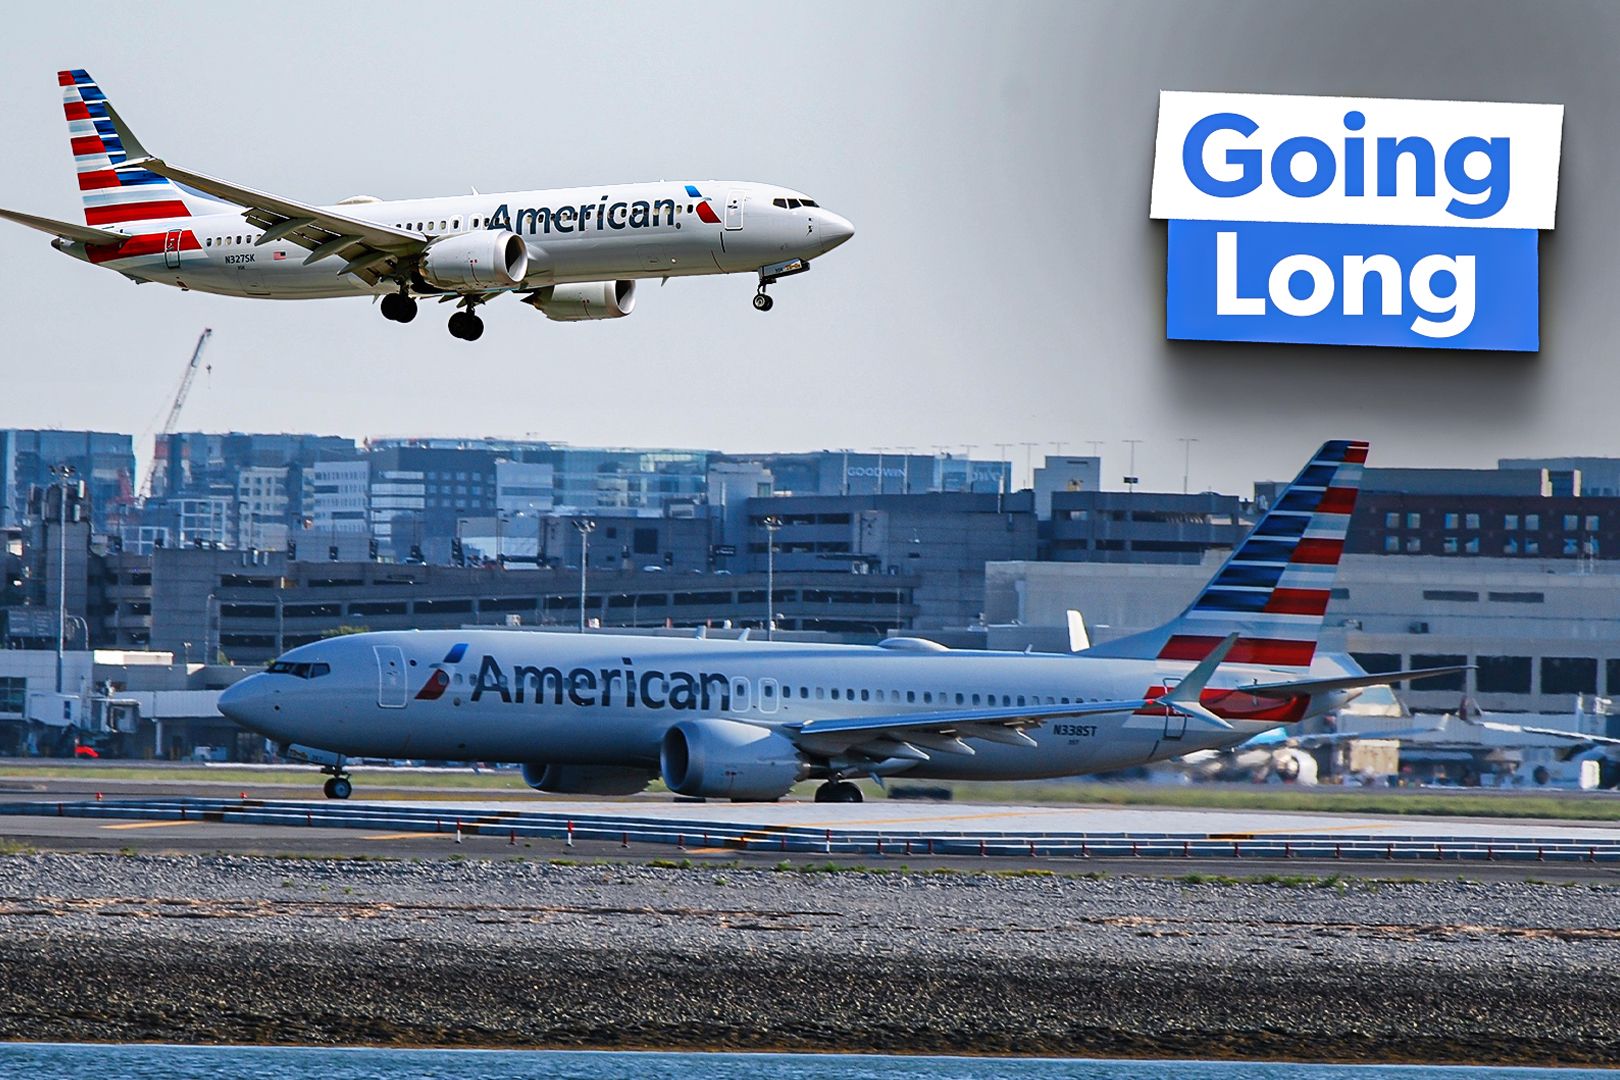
x,y
533,954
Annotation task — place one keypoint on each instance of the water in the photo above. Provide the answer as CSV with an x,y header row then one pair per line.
x,y
50,1061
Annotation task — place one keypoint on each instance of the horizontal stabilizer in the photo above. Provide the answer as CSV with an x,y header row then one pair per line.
x,y
1348,682
84,234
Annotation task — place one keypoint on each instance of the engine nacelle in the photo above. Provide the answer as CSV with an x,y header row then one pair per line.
x,y
712,758
486,259
584,300
586,779
1293,766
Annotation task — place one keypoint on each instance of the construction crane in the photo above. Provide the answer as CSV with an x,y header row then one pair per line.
x,y
174,410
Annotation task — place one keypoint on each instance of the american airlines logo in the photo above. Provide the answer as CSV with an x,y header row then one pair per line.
x,y
606,687
599,215
1355,221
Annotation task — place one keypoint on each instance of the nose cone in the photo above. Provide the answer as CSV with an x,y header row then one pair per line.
x,y
248,703
835,230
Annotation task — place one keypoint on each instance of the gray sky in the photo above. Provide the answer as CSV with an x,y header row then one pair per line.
x,y
1004,285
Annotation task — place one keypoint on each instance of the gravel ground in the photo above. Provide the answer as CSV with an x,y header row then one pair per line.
x,y
528,953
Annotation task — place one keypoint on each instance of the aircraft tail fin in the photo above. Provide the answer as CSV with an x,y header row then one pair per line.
x,y
112,192
1273,590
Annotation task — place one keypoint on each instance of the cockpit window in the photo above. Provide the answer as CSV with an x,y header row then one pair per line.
x,y
780,204
807,202
299,671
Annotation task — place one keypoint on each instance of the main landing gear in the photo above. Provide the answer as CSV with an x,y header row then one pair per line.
x,y
838,791
399,307
466,325
337,785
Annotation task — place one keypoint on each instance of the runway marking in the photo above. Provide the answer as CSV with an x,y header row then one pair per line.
x,y
150,824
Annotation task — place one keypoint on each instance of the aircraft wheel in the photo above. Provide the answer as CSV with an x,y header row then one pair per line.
x,y
473,328
338,787
838,791
763,302
390,307
406,308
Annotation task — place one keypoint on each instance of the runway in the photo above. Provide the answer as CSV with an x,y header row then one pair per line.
x,y
875,830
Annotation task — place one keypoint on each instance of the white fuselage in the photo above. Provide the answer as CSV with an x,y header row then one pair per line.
x,y
581,234
608,699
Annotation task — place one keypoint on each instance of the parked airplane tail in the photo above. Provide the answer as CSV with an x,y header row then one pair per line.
x,y
113,195
1274,589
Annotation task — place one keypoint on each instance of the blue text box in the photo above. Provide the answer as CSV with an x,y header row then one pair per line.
x,y
1506,294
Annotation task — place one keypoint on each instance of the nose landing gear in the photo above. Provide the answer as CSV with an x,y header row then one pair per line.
x,y
770,275
337,785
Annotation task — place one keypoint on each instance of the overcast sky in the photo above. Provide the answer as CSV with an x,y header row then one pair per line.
x,y
1004,285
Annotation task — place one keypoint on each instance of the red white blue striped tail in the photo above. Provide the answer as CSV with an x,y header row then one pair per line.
x,y
1275,587
113,195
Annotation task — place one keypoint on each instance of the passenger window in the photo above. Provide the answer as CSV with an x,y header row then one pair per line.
x,y
866,695
835,693
975,699
928,697
456,224
911,696
880,695
960,699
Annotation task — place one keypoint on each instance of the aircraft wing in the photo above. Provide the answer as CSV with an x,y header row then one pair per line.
x,y
900,735
1557,733
369,251
1329,738
84,234
944,730
1347,682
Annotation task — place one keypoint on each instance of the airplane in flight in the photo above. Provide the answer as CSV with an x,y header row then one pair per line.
x,y
606,713
571,253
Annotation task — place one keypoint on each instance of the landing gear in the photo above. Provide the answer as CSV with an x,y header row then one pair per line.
x,y
399,307
838,791
770,275
466,326
337,785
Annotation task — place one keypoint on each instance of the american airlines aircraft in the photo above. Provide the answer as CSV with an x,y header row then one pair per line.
x,y
571,253
604,714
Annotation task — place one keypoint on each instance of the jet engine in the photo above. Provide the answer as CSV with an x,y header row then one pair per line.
x,y
473,261
585,300
586,779
729,760
1293,766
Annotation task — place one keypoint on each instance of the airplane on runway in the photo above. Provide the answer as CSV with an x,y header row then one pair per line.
x,y
604,714
573,254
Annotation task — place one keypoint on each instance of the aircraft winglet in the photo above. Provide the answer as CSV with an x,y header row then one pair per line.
x,y
1184,698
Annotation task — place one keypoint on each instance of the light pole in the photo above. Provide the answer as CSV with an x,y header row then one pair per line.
x,y
1029,461
65,474
772,524
586,526
1130,479
1186,462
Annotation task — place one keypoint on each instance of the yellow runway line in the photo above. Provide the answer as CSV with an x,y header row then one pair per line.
x,y
1252,833
396,836
150,824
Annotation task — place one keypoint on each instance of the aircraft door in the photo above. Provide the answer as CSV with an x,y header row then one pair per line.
x,y
1175,723
741,696
734,211
390,676
769,691
171,249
